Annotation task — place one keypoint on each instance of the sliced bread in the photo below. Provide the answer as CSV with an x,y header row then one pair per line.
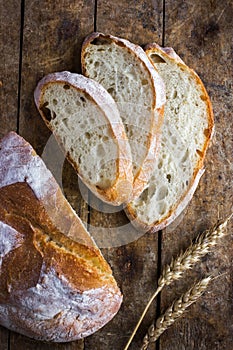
x,y
186,133
128,75
85,120
55,284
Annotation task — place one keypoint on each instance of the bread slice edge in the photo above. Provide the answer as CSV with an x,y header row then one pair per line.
x,y
121,189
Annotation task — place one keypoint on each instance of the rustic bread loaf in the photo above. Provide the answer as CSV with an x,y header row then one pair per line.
x,y
54,283
86,122
128,75
187,129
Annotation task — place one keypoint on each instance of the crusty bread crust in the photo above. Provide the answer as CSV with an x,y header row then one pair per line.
x,y
121,189
170,55
53,288
145,170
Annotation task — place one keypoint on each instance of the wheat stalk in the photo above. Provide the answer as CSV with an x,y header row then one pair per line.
x,y
185,261
175,311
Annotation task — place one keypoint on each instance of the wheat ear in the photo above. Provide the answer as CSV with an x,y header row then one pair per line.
x,y
203,244
185,261
175,311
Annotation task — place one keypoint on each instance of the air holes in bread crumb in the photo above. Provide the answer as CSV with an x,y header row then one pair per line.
x,y
111,90
162,208
160,164
144,81
174,140
105,138
100,41
185,156
157,59
65,121
48,114
54,102
87,135
168,177
66,87
200,153
174,94
162,193
100,151
144,195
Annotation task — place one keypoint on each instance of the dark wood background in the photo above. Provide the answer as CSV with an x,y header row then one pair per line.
x,y
39,37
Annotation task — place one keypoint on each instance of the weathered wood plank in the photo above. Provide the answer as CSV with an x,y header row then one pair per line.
x,y
201,33
4,336
138,21
19,342
10,20
9,64
134,265
134,261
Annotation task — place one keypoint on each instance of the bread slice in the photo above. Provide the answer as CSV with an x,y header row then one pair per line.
x,y
127,74
86,122
55,284
187,129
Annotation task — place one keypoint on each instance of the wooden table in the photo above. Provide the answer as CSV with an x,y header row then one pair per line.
x,y
38,37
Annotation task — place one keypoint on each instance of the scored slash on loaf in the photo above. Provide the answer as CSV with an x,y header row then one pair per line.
x,y
55,284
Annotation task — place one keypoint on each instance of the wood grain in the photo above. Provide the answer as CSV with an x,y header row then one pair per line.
x,y
135,268
10,23
19,342
4,336
200,32
138,21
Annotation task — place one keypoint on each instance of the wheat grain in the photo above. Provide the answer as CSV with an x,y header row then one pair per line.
x,y
175,311
185,261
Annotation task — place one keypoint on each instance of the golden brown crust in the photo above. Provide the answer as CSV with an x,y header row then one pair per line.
x,y
52,288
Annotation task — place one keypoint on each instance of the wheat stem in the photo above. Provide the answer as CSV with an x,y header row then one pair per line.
x,y
142,316
203,244
175,311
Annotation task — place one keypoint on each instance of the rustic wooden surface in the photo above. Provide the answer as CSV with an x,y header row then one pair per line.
x,y
38,37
